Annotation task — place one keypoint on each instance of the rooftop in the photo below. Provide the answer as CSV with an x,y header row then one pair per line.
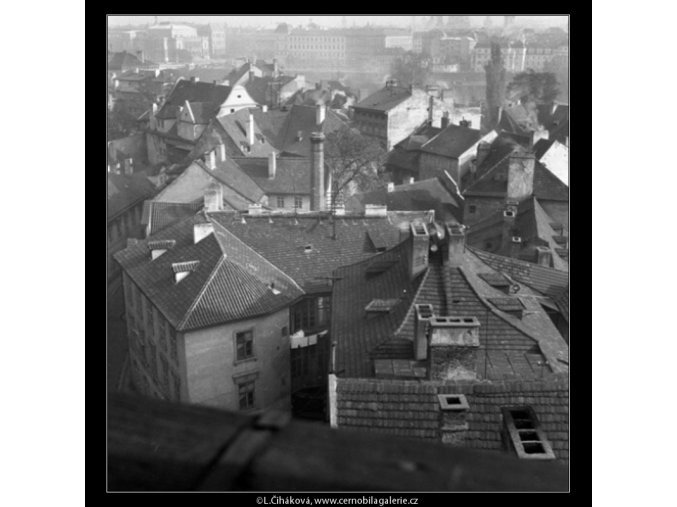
x,y
303,119
192,91
125,191
385,99
452,142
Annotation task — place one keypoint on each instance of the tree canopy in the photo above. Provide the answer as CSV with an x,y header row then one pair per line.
x,y
412,69
354,161
537,87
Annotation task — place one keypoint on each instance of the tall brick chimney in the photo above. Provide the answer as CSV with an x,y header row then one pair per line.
x,y
317,201
453,347
250,129
420,245
455,244
521,176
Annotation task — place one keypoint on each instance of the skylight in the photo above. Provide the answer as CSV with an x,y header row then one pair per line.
x,y
524,432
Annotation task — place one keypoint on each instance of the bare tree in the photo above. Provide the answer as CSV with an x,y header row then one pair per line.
x,y
355,162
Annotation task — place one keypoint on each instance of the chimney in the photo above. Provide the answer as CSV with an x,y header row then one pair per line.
x,y
508,228
520,176
544,256
272,166
391,186
213,198
264,108
129,166
317,201
410,180
455,244
422,317
464,123
445,119
255,210
431,108
276,68
250,130
454,345
222,152
482,152
319,114
211,160
420,244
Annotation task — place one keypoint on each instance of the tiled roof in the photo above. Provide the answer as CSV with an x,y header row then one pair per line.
x,y
532,224
303,119
385,99
123,61
203,112
228,280
191,91
542,146
270,123
492,176
236,127
125,191
452,142
292,174
420,195
282,238
239,190
510,345
160,215
562,301
411,409
547,281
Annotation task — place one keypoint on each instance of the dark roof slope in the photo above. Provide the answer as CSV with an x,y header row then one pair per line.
x,y
303,119
126,191
282,239
452,141
230,281
292,174
192,91
385,99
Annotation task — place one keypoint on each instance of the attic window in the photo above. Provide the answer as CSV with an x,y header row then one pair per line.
x,y
182,269
381,305
307,248
272,288
509,214
516,239
157,248
523,432
456,402
472,208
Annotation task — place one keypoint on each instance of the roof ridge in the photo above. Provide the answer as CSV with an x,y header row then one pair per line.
x,y
413,302
490,170
212,173
284,274
189,312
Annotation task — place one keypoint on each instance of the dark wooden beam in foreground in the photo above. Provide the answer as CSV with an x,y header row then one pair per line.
x,y
160,446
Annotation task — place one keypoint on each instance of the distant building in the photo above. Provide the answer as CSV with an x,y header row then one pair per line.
x,y
392,113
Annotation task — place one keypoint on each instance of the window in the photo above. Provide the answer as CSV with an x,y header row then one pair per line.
x,y
298,202
280,201
246,395
524,435
472,209
244,344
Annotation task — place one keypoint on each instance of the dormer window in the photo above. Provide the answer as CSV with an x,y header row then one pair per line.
x,y
509,214
307,248
381,305
183,269
516,239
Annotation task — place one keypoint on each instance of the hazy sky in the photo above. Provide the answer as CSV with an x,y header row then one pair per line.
x,y
272,21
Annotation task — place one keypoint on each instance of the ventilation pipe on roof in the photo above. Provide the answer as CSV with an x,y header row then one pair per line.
x,y
272,165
